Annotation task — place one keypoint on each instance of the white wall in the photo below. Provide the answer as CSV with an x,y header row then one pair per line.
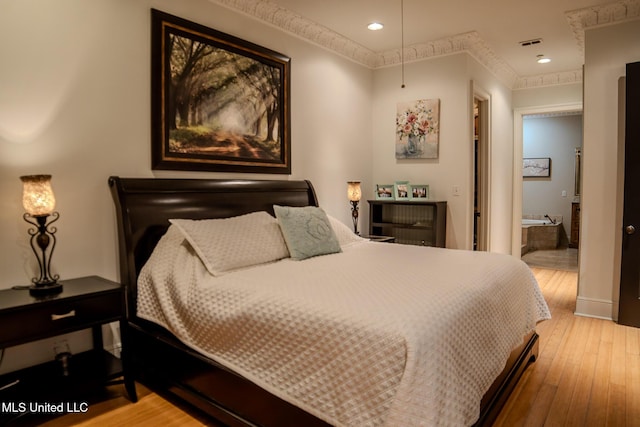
x,y
607,50
556,138
75,103
448,79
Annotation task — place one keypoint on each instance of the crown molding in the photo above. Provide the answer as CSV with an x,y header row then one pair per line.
x,y
595,16
470,42
552,114
300,26
549,79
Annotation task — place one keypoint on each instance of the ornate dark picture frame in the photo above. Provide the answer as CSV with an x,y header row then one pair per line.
x,y
218,103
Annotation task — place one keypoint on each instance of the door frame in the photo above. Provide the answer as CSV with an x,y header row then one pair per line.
x,y
484,162
518,138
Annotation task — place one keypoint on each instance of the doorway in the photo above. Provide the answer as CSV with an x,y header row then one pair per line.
x,y
519,115
550,202
481,170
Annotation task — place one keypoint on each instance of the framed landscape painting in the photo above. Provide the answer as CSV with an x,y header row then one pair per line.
x,y
536,167
218,103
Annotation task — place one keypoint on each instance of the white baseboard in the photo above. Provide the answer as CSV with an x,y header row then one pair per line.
x,y
592,307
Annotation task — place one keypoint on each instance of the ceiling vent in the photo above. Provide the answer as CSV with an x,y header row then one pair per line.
x,y
530,42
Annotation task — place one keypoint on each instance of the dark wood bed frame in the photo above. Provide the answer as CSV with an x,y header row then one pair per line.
x,y
163,363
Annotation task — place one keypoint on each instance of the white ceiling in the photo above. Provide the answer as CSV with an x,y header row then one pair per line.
x,y
489,29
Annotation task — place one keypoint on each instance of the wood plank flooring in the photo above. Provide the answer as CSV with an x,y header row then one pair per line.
x,y
151,410
555,259
587,374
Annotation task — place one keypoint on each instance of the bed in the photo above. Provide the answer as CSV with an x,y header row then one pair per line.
x,y
314,350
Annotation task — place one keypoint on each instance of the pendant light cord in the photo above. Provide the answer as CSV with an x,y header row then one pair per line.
x,y
402,40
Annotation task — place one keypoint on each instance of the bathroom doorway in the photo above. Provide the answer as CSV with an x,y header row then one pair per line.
x,y
545,191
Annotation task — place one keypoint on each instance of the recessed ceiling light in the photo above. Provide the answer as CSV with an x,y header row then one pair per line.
x,y
543,60
375,26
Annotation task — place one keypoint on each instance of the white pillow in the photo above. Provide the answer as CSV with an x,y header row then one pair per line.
x,y
230,243
345,235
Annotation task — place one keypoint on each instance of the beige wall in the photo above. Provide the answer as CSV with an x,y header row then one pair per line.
x,y
75,103
607,51
449,79
548,96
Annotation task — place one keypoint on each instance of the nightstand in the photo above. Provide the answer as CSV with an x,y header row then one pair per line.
x,y
86,302
386,239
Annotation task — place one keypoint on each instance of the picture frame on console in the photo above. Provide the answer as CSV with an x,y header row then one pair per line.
x,y
419,192
218,103
384,192
402,190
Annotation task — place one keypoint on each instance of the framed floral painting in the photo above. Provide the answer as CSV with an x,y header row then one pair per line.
x,y
418,129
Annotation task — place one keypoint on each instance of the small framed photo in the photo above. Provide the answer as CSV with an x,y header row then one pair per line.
x,y
536,167
419,192
384,192
402,190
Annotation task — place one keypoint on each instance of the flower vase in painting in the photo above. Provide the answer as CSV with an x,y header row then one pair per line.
x,y
414,145
417,129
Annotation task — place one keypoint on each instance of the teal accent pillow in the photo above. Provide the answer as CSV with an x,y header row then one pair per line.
x,y
307,231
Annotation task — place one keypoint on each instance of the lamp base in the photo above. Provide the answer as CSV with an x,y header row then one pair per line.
x,y
44,290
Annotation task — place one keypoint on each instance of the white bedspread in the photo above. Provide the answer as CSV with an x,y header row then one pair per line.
x,y
381,334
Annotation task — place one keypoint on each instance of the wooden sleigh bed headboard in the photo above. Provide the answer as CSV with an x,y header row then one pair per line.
x,y
145,205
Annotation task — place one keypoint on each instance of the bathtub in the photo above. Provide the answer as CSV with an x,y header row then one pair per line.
x,y
527,221
540,233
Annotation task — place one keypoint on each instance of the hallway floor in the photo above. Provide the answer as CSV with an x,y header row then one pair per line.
x,y
558,259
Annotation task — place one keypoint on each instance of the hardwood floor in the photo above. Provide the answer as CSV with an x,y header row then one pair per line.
x,y
587,374
556,259
151,410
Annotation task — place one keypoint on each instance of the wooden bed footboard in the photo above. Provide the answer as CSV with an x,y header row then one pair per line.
x,y
169,367
501,389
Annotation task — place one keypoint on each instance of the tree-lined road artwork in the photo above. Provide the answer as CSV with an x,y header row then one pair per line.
x,y
221,103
